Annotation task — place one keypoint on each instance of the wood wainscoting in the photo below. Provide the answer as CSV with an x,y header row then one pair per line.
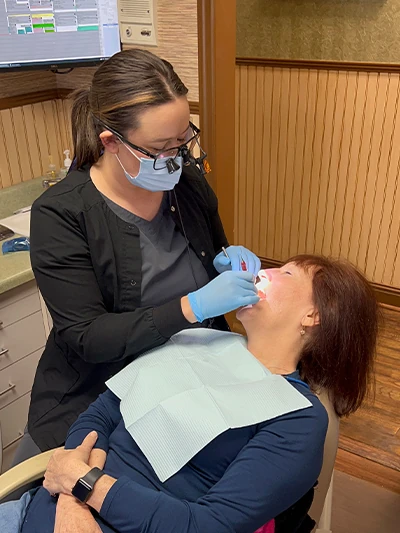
x,y
317,171
34,126
29,133
318,162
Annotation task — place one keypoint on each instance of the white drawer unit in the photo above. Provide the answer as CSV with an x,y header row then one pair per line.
x,y
23,331
21,339
15,311
17,379
17,294
13,419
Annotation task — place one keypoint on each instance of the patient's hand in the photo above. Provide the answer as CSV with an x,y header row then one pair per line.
x,y
73,516
67,466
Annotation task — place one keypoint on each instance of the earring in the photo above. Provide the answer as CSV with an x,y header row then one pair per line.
x,y
302,331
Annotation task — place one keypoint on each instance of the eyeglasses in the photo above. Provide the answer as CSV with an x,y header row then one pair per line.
x,y
163,159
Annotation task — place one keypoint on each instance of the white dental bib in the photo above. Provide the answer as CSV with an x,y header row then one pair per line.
x,y
177,398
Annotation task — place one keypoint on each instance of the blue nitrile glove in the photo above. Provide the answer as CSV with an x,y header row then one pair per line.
x,y
236,255
227,292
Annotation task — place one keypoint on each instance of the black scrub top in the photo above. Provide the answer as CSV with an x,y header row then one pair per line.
x,y
88,265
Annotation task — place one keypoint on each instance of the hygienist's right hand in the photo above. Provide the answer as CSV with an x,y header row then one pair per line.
x,y
227,292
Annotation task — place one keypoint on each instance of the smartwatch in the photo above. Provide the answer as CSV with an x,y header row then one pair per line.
x,y
84,486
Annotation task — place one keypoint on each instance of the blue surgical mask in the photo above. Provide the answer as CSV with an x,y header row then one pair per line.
x,y
150,179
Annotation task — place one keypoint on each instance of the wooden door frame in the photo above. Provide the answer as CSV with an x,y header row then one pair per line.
x,y
217,59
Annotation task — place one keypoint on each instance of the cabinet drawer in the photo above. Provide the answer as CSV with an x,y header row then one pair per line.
x,y
8,456
18,310
21,339
16,380
13,419
19,293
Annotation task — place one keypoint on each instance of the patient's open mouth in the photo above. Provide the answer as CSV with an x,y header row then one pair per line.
x,y
262,281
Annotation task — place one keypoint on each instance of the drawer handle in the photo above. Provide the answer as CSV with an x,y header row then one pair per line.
x,y
11,386
3,351
20,435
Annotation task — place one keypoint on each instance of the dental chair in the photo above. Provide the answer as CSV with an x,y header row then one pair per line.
x,y
321,509
22,477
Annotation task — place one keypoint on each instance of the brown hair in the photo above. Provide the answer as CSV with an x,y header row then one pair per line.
x,y
339,353
122,88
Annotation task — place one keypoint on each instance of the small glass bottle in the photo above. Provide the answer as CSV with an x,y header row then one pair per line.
x,y
51,174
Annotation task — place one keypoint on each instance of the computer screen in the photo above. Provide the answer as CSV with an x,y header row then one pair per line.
x,y
57,33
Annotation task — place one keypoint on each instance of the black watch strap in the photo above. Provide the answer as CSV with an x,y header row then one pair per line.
x,y
85,485
93,475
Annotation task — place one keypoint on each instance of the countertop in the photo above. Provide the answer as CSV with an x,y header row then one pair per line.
x,y
15,268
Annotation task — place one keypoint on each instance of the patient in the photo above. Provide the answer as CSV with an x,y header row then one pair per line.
x,y
317,327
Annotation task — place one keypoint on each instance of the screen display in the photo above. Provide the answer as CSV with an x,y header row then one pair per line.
x,y
57,33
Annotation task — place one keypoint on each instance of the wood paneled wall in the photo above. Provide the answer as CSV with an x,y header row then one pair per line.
x,y
317,165
28,135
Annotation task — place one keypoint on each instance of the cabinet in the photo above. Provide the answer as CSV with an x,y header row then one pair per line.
x,y
24,326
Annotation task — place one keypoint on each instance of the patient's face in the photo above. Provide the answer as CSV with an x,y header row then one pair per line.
x,y
286,295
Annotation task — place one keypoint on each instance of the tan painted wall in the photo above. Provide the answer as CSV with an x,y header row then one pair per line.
x,y
341,30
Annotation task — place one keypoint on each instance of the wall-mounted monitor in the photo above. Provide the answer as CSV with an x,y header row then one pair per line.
x,y
57,34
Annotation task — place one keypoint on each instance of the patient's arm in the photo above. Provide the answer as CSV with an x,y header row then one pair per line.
x,y
102,416
273,471
97,458
72,515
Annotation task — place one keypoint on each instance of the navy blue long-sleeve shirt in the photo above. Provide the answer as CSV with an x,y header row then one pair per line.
x,y
238,482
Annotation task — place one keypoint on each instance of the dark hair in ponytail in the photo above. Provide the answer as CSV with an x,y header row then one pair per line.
x,y
122,88
87,145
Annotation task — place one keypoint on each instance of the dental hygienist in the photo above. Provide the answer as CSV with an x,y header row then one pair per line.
x,y
126,249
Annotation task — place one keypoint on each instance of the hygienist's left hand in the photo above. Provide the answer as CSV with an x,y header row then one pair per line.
x,y
67,466
236,255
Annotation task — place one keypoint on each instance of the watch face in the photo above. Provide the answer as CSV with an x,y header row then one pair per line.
x,y
81,490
